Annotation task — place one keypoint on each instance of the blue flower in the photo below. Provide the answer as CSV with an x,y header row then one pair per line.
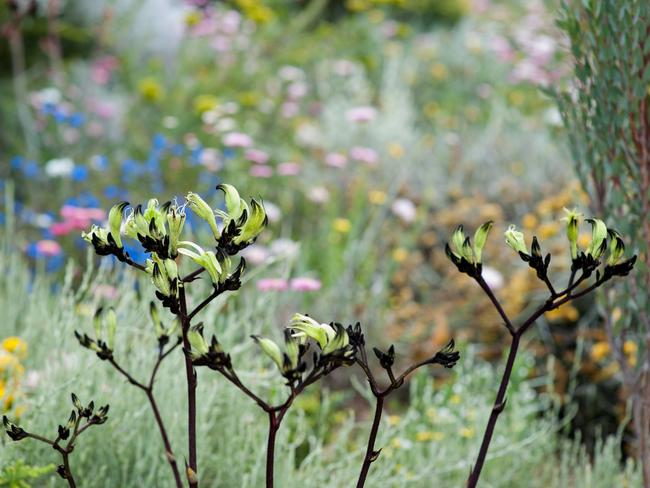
x,y
77,119
31,169
79,173
158,141
17,162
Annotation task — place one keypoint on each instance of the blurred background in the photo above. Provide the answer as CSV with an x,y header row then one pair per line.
x,y
370,128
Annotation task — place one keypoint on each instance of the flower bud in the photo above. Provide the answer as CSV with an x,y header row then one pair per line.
x,y
97,322
616,248
115,221
339,342
480,238
255,223
598,238
235,205
161,281
271,349
171,269
175,220
292,348
197,342
457,240
155,218
77,404
101,239
208,260
572,221
203,210
515,239
308,327
111,326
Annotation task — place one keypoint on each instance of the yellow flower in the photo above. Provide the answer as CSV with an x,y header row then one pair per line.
x,y
439,72
8,401
393,419
454,399
7,361
342,225
400,254
205,102
357,5
548,229
565,312
584,239
192,18
376,197
424,436
516,97
466,432
430,109
150,89
249,98
395,150
529,221
600,350
15,345
630,347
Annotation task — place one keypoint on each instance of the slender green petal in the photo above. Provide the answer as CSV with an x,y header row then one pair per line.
x,y
115,221
598,238
480,238
204,211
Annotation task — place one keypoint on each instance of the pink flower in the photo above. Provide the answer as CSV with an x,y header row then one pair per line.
x,y
289,169
61,228
305,284
257,156
237,139
336,160
101,69
48,247
261,171
70,212
361,115
272,284
364,155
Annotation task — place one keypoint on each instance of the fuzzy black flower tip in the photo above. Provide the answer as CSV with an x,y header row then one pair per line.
x,y
356,335
447,356
60,470
386,359
14,432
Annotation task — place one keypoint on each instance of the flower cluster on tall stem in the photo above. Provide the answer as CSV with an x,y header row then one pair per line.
x,y
81,418
583,265
159,229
